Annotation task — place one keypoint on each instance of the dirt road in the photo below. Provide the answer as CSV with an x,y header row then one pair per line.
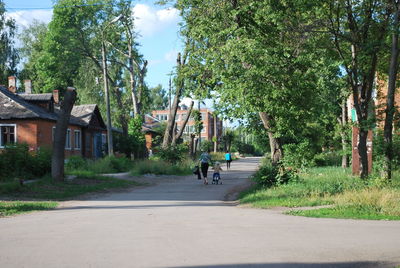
x,y
179,222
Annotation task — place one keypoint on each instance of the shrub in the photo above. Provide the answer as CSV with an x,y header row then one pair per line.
x,y
17,162
298,155
269,175
160,167
173,154
207,145
328,159
109,164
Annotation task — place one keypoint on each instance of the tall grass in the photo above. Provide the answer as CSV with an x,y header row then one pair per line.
x,y
110,164
350,196
160,167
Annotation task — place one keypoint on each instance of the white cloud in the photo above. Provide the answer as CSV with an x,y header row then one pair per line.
x,y
149,21
170,56
24,18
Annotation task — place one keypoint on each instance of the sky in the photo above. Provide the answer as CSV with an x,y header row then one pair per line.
x,y
157,27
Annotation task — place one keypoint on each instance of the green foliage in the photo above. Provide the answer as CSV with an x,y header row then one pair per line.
x,y
173,154
9,56
48,189
160,167
77,165
298,155
17,162
329,158
206,146
8,208
243,148
271,175
198,123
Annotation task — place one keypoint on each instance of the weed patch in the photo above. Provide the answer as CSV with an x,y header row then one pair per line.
x,y
8,208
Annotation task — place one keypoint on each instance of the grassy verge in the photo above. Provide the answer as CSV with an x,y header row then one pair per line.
x,y
350,197
159,167
49,190
8,208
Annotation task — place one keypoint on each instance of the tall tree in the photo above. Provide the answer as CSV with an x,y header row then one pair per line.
x,y
358,29
261,56
8,53
32,39
393,70
58,156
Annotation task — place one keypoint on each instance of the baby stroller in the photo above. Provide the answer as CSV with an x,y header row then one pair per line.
x,y
216,179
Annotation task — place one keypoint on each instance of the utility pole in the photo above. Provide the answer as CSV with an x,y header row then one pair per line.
x,y
106,89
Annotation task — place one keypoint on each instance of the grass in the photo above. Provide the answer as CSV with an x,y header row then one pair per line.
x,y
77,165
8,208
350,196
47,192
159,167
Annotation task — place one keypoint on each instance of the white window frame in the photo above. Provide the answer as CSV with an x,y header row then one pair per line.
x,y
79,140
68,140
15,133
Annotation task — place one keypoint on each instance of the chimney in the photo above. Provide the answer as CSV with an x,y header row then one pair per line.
x,y
56,96
28,86
12,84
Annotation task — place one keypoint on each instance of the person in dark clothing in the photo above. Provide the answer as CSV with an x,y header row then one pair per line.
x,y
205,159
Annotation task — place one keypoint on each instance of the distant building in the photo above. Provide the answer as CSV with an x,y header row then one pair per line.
x,y
207,133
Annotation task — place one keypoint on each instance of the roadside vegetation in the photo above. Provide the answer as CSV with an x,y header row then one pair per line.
x,y
346,195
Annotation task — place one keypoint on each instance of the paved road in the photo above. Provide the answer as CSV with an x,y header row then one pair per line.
x,y
182,223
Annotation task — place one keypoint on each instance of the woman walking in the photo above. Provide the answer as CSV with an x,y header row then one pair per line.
x,y
205,159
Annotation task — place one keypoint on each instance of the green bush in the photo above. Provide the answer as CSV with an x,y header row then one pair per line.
x,y
327,159
269,175
109,164
207,145
17,162
173,154
298,155
160,167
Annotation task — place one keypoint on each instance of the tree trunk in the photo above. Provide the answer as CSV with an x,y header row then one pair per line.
x,y
179,134
171,119
57,159
215,133
393,68
191,144
274,143
362,151
343,122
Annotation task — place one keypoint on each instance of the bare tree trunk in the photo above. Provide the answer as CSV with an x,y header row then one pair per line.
x,y
274,143
393,69
57,159
179,134
171,119
191,144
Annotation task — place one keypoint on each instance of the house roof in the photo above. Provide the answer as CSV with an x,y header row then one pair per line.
x,y
36,97
16,106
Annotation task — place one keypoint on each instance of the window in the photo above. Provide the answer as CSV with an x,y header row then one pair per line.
x,y
68,139
53,132
203,130
162,117
184,117
203,116
8,134
77,139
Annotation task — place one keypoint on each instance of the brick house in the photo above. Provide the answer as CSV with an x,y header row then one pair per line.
x,y
207,133
31,119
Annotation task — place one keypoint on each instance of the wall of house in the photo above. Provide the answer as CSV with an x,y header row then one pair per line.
x,y
45,137
26,132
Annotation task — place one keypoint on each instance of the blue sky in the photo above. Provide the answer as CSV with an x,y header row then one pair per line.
x,y
157,25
